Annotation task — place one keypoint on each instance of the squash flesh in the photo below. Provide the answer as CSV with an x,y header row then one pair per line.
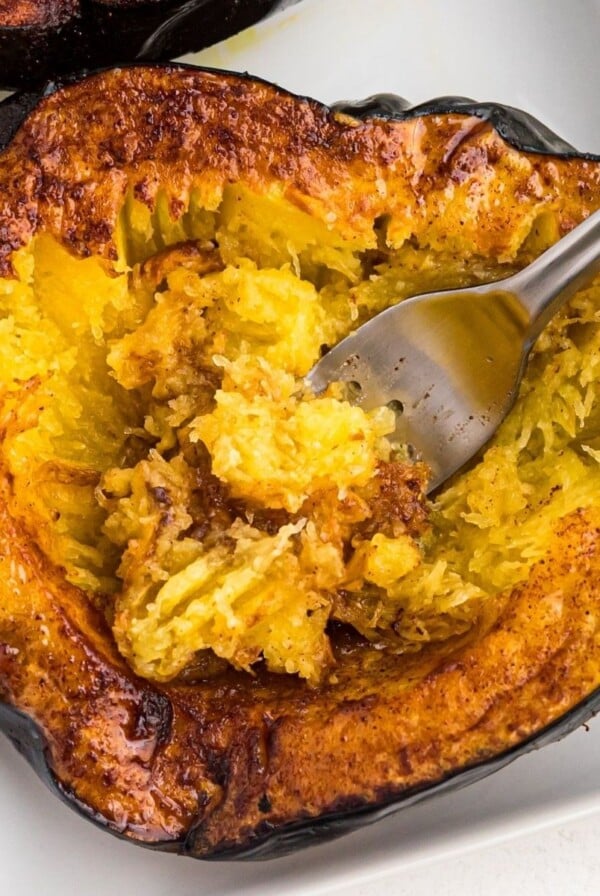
x,y
118,365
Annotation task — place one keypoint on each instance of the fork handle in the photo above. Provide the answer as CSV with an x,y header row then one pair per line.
x,y
553,278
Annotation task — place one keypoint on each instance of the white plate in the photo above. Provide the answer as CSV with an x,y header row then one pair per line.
x,y
541,56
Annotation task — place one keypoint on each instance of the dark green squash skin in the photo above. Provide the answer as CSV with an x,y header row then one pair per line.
x,y
107,32
525,133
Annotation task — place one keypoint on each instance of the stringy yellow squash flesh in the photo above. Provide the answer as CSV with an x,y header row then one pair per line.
x,y
135,400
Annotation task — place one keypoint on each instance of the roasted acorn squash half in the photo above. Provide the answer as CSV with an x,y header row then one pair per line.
x,y
175,177
42,39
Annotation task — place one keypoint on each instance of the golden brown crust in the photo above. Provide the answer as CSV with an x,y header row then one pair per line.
x,y
227,756
49,13
68,169
111,736
36,13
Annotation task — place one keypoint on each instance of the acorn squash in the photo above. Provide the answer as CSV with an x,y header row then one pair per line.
x,y
230,622
43,39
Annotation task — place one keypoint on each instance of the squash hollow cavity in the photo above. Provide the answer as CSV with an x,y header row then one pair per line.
x,y
164,451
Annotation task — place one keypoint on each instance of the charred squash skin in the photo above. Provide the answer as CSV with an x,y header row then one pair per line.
x,y
213,767
48,38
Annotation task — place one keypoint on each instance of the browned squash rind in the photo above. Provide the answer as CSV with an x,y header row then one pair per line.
x,y
219,765
43,40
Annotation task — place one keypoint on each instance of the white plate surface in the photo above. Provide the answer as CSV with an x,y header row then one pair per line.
x,y
541,56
